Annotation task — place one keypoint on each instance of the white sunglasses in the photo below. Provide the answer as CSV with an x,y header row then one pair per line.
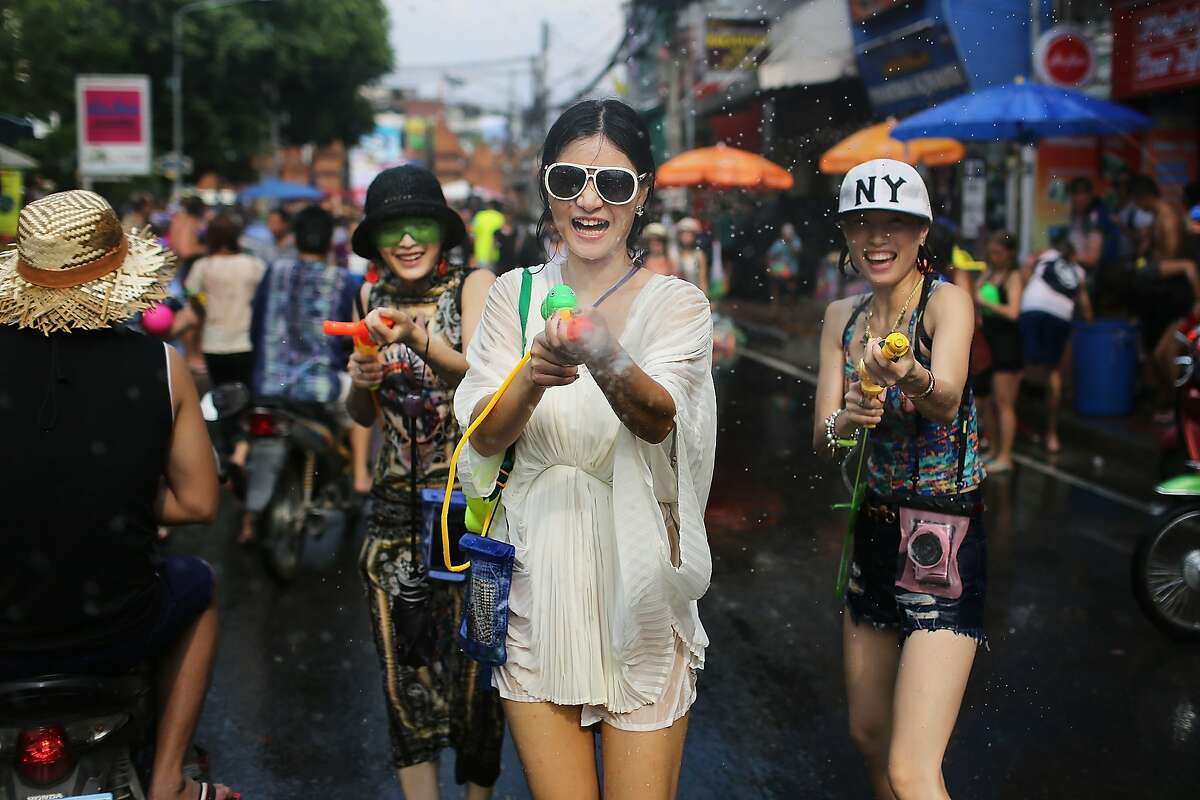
x,y
616,186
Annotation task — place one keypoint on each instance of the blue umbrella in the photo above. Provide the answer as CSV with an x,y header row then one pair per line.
x,y
280,191
1021,112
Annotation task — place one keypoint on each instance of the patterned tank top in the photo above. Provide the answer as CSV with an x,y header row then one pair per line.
x,y
902,439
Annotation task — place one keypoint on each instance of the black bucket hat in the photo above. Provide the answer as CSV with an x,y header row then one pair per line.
x,y
406,191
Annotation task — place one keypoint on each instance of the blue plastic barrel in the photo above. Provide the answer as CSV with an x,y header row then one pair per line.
x,y
1105,356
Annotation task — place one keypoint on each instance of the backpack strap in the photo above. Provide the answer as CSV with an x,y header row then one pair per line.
x,y
510,455
853,320
961,422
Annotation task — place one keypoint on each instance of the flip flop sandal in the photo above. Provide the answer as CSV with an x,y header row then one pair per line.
x,y
208,791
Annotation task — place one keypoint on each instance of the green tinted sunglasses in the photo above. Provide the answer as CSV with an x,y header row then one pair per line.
x,y
421,229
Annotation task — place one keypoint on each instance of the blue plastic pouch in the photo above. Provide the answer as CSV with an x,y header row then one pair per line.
x,y
484,627
431,536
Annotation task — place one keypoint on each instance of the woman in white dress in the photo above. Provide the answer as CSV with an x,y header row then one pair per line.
x,y
615,430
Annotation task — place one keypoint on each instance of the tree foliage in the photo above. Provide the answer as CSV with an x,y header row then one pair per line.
x,y
301,61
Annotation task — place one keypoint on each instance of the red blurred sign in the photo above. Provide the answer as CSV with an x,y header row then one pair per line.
x,y
113,125
1156,47
112,116
1063,57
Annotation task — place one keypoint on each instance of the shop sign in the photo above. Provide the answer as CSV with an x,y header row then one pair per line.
x,y
914,71
734,45
1063,56
113,125
974,197
1156,47
865,9
10,203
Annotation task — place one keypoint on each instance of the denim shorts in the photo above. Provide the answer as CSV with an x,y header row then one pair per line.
x,y
1044,338
873,597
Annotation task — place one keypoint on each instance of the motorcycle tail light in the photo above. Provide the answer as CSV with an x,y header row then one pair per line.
x,y
263,423
43,756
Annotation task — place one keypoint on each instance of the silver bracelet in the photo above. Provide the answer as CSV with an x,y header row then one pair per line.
x,y
928,389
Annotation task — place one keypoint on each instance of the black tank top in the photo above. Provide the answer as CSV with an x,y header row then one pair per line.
x,y
86,419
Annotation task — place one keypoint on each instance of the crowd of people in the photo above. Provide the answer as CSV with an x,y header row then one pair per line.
x,y
596,449
633,393
1131,257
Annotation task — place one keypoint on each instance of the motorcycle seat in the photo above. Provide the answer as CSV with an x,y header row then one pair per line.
x,y
22,695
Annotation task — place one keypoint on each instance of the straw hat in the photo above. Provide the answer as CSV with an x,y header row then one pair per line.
x,y
688,224
73,268
654,230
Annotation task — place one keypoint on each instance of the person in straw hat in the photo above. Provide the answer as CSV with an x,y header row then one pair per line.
x,y
656,259
104,440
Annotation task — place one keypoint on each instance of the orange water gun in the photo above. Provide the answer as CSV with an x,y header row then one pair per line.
x,y
363,343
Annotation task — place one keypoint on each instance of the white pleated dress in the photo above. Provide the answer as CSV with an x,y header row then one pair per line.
x,y
601,615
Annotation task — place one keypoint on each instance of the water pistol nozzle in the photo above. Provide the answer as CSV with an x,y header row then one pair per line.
x,y
895,347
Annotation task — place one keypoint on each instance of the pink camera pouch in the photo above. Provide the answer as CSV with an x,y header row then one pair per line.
x,y
928,553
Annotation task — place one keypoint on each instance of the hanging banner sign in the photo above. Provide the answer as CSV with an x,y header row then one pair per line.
x,y
113,125
1156,47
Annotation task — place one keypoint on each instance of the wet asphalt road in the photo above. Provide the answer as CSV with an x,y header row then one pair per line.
x,y
1078,696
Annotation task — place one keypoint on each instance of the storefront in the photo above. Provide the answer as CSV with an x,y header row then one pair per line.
x,y
1156,69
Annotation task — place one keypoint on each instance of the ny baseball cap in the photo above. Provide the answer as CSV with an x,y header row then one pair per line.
x,y
883,184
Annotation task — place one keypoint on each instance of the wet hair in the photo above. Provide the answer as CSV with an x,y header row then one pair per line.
x,y
1060,240
616,122
1080,184
222,235
1008,242
925,257
1191,194
193,206
1141,185
1004,239
313,228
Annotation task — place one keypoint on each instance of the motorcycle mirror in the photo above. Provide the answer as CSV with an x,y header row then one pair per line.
x,y
208,408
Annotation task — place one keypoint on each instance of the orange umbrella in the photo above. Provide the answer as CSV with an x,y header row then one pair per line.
x,y
877,142
722,167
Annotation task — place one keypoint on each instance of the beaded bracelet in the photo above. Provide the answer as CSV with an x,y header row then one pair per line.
x,y
832,441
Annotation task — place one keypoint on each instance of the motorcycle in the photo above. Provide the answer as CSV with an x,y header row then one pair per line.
x,y
298,484
219,406
1165,570
74,736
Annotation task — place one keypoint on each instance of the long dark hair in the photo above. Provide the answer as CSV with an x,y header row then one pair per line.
x,y
616,122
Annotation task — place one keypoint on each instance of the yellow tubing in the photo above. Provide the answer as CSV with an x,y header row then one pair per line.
x,y
454,468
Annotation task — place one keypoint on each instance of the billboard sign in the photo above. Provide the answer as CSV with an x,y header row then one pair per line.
x,y
917,70
113,125
1156,47
735,45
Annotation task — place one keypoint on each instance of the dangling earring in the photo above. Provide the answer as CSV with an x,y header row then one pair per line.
x,y
443,267
640,210
372,275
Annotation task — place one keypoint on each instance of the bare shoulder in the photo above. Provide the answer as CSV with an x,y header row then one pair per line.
x,y
479,281
837,313
950,297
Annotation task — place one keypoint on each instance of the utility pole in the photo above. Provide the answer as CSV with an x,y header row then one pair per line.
x,y
540,89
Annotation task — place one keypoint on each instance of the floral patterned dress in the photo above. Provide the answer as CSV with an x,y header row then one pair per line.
x,y
436,696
